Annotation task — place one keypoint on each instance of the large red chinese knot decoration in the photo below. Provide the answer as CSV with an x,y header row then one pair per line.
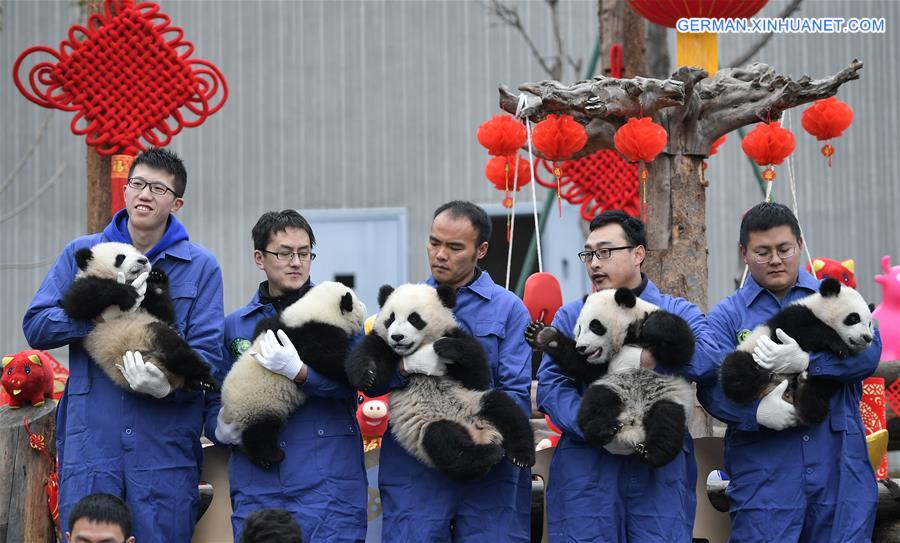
x,y
558,137
827,119
640,140
599,181
129,77
768,145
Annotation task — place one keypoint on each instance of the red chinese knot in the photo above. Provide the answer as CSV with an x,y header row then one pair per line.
x,y
128,76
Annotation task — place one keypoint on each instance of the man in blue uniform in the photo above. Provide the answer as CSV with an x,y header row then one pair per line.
x,y
790,483
419,502
143,445
322,480
594,495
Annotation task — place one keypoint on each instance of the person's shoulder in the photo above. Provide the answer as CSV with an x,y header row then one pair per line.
x,y
202,254
84,242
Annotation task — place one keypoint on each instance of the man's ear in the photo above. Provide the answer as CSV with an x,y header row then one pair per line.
x,y
179,201
258,259
481,250
742,252
640,252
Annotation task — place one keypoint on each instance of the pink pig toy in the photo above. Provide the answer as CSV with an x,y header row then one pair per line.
x,y
888,312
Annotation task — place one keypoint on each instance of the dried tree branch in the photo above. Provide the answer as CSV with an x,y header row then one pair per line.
x,y
761,42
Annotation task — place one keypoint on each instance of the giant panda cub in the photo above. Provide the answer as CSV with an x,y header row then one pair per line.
x,y
835,320
95,292
320,325
634,410
449,419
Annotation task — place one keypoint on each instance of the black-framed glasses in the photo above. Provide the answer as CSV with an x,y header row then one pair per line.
x,y
287,256
601,254
157,188
783,254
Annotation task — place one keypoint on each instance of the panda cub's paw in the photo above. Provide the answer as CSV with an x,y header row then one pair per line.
x,y
157,281
360,371
541,337
523,458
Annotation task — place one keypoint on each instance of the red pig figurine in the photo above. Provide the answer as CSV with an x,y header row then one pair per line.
x,y
28,378
372,416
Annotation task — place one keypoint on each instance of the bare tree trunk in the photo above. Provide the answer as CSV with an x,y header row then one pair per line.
x,y
621,24
659,63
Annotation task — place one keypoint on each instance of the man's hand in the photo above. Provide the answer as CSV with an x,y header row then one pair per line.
x,y
139,284
144,377
787,358
278,355
424,361
227,432
775,413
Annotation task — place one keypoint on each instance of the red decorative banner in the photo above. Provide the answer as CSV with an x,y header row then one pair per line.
x,y
872,409
118,177
128,77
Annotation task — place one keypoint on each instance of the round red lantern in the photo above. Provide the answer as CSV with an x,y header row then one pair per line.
x,y
668,13
640,140
768,145
714,148
501,170
826,119
502,135
558,137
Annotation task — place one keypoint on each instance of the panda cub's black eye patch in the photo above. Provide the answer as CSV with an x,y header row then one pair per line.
x,y
852,318
416,321
597,328
119,260
389,321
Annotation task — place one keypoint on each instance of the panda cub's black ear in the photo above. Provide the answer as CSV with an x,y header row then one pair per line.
x,y
347,303
383,294
447,296
625,298
830,287
83,257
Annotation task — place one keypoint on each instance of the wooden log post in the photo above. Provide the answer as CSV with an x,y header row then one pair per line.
x,y
24,515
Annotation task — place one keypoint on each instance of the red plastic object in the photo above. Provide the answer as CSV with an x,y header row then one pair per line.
x,y
542,296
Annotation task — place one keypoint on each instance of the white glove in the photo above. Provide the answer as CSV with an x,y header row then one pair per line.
x,y
281,358
139,284
628,358
787,357
144,377
227,432
775,413
425,361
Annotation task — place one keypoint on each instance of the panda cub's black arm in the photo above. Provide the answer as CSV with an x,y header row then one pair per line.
x,y
371,364
810,332
88,297
668,338
562,349
323,348
157,300
468,363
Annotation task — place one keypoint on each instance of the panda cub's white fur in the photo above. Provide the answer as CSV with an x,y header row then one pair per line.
x,y
320,328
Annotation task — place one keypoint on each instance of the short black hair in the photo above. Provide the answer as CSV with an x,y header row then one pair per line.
x,y
105,509
635,231
272,222
165,160
271,526
475,215
765,216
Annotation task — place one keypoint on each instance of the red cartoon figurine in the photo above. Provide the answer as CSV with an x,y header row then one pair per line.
x,y
372,416
28,378
842,271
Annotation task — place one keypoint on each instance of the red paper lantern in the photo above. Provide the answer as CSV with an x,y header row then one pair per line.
x,y
826,119
558,137
667,13
500,171
640,140
714,148
502,135
769,144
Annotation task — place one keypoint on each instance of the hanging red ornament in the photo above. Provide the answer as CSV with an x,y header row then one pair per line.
x,y
501,135
558,137
501,171
826,119
640,140
768,145
714,148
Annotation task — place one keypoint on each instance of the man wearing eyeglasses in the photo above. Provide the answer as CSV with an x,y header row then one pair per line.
x,y
143,445
595,495
789,483
322,482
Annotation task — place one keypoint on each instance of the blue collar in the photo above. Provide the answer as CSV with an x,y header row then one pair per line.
x,y
482,286
174,241
751,289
